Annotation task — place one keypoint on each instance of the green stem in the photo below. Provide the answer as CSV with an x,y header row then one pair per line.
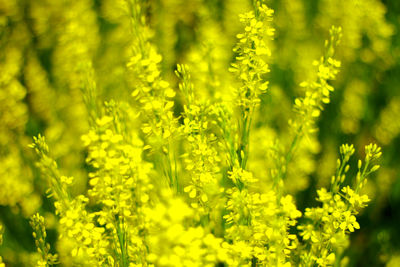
x,y
123,245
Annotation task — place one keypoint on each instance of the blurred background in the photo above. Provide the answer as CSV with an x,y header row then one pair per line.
x,y
46,45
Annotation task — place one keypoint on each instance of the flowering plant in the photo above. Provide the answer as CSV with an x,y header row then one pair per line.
x,y
151,153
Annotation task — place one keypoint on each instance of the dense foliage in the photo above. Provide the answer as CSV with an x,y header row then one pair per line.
x,y
199,133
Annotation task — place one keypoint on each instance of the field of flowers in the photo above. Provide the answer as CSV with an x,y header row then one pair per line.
x,y
199,133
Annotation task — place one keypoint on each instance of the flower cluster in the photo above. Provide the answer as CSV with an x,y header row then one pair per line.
x,y
259,223
153,93
326,233
251,48
317,92
201,159
169,223
77,224
43,248
119,183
